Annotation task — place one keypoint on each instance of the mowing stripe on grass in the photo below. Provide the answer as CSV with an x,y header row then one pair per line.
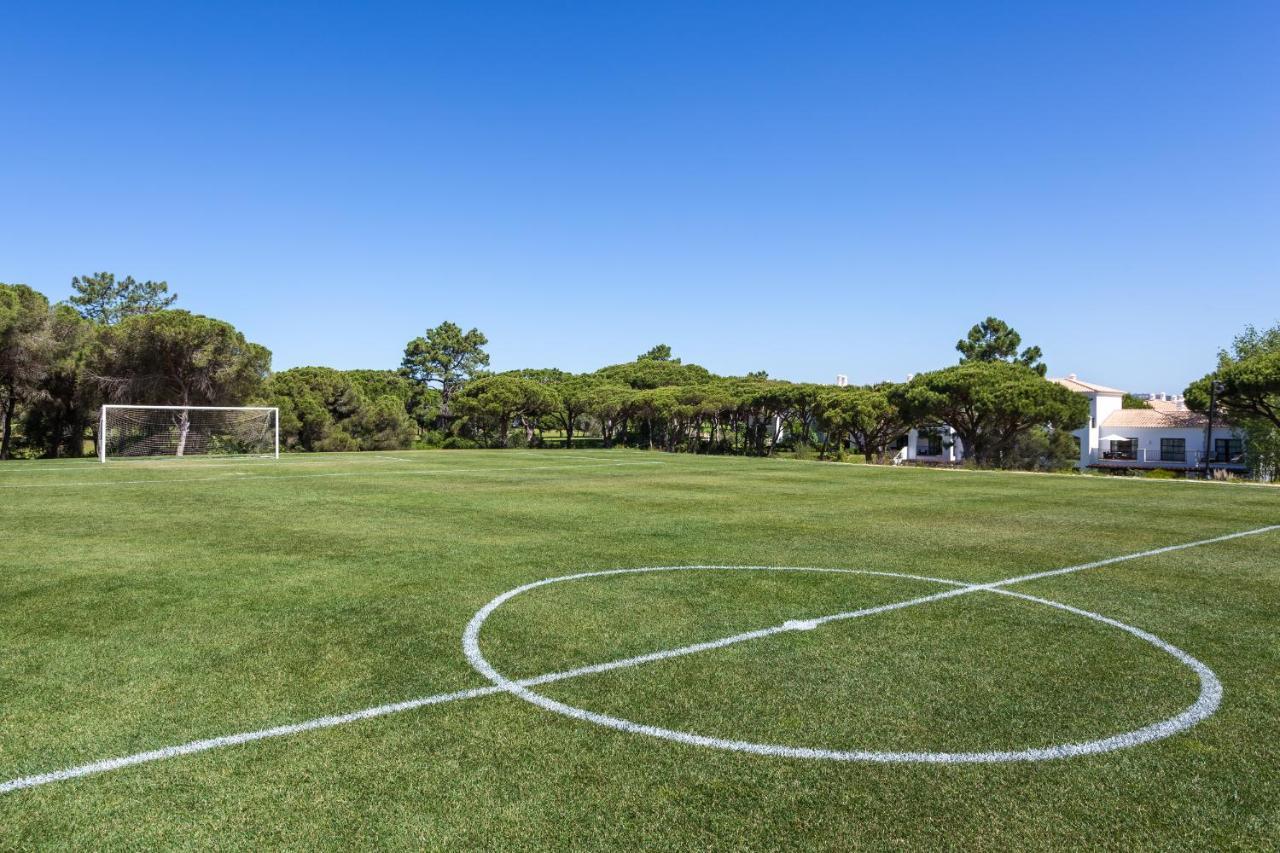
x,y
1205,704
243,477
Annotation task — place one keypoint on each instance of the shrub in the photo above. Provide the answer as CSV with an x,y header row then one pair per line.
x,y
338,441
430,439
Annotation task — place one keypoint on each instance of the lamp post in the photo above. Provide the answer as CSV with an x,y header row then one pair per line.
x,y
1215,388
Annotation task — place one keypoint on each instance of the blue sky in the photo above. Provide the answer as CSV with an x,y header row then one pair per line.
x,y
805,189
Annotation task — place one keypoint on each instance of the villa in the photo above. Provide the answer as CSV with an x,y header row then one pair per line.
x,y
1166,435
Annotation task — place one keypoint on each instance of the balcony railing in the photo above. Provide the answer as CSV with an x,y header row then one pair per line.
x,y
1141,456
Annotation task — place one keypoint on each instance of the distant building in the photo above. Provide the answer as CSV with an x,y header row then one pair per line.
x,y
1163,401
1167,435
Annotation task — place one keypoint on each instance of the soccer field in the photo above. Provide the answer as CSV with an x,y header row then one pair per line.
x,y
340,650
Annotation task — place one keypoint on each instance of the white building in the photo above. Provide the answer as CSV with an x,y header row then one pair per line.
x,y
1167,435
937,445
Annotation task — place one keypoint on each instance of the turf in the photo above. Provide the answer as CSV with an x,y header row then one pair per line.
x,y
146,604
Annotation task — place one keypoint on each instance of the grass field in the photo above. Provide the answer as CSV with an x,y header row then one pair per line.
x,y
151,604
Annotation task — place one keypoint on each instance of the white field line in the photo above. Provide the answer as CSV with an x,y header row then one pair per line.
x,y
233,477
471,642
1206,704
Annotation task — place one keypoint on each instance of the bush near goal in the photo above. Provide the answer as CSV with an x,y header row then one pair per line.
x,y
179,431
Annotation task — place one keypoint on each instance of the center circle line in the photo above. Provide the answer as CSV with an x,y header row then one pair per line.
x,y
1206,704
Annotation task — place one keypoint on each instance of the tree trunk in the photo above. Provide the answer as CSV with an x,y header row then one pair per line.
x,y
9,405
58,435
443,419
568,434
78,426
184,428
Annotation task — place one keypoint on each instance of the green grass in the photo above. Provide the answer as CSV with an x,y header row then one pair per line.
x,y
145,604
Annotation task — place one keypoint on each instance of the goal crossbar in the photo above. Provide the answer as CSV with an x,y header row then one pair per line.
x,y
196,408
155,430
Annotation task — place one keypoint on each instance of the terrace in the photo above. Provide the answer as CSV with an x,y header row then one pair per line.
x,y
1172,453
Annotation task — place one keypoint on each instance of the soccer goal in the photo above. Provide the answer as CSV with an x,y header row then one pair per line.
x,y
134,431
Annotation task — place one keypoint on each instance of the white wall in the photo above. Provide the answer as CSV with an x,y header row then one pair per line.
x,y
1101,407
952,448
1149,440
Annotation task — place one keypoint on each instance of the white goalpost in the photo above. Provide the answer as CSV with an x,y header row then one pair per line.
x,y
139,431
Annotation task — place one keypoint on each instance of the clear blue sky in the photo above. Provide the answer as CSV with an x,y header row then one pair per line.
x,y
801,188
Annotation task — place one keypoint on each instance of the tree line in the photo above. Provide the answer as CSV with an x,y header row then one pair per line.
x,y
120,340
1244,389
114,340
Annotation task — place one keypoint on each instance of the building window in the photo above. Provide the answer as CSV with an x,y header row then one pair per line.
x,y
1173,450
929,443
1228,450
1122,449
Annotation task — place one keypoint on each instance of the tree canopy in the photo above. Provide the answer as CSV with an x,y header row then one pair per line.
x,y
25,344
492,403
871,416
116,341
326,409
445,358
991,403
65,403
180,358
661,352
995,340
1248,377
102,299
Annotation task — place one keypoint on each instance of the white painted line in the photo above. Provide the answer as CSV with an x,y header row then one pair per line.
x,y
243,737
396,707
1097,564
243,476
1206,703
1210,692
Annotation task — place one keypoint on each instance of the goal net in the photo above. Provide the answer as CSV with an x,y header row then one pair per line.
x,y
134,431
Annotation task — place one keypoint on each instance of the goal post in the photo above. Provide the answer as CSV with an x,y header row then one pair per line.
x,y
126,431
